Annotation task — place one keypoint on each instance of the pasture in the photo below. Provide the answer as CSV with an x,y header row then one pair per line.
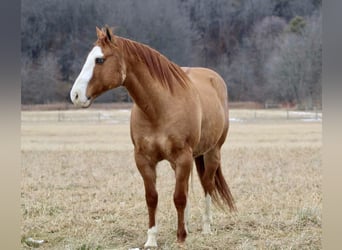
x,y
80,188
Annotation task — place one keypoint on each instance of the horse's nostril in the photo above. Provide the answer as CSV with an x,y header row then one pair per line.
x,y
76,96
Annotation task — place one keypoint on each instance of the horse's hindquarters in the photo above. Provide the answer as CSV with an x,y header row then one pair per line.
x,y
213,98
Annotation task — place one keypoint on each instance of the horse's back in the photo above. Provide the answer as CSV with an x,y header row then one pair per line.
x,y
208,82
214,104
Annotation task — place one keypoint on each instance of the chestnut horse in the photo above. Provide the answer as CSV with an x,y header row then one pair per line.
x,y
179,114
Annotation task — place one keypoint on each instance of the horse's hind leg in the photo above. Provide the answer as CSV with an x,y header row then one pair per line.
x,y
147,170
215,186
213,183
206,170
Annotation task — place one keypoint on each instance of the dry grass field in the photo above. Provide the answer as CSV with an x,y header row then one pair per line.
x,y
80,188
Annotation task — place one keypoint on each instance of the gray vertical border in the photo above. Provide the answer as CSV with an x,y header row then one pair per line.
x,y
10,125
332,125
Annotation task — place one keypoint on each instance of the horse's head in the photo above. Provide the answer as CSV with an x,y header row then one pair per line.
x,y
104,69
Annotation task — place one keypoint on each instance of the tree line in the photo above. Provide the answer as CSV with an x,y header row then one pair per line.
x,y
266,50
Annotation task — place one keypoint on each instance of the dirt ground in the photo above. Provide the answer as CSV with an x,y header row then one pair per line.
x,y
80,188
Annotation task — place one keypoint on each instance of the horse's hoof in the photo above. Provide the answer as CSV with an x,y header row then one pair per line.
x,y
206,232
181,245
151,244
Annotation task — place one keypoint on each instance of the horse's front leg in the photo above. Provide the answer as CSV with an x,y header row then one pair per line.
x,y
183,165
147,169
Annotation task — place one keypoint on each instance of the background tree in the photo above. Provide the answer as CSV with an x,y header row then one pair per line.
x,y
294,70
254,44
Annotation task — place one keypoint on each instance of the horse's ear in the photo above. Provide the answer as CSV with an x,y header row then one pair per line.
x,y
100,33
109,34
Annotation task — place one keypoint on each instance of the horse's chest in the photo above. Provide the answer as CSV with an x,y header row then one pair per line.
x,y
153,143
160,146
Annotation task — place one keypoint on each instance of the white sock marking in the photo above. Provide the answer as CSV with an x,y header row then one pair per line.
x,y
151,237
207,216
186,215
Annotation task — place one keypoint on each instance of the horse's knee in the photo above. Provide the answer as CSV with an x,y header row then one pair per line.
x,y
151,198
180,200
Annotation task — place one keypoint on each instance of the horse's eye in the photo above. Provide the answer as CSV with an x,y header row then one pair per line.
x,y
99,60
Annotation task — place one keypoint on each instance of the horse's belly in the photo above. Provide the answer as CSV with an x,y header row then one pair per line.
x,y
212,131
207,142
213,127
202,148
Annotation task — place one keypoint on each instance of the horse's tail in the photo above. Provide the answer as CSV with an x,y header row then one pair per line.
x,y
220,191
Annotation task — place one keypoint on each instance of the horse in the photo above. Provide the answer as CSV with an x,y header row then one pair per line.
x,y
179,115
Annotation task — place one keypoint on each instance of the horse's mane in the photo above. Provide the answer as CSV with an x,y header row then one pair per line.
x,y
165,71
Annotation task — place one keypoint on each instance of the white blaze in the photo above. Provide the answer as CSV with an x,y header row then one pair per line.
x,y
78,91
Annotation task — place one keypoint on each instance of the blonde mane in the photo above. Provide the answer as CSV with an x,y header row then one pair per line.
x,y
162,69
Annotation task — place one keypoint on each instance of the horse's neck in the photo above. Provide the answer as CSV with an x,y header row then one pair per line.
x,y
147,94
